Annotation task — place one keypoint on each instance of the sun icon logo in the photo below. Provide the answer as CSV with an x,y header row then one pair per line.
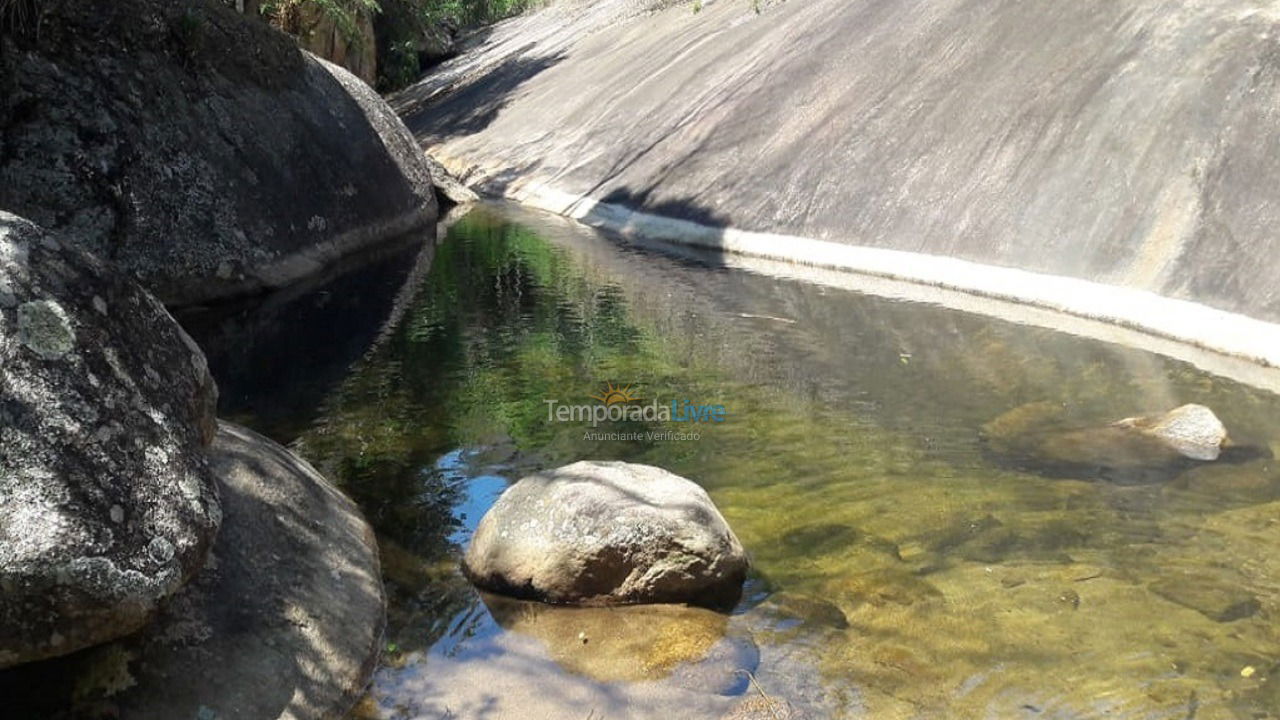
x,y
615,395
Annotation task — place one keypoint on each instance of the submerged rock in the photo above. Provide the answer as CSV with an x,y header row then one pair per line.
x,y
762,707
198,149
684,646
1190,433
607,533
787,610
1210,596
107,505
1252,482
881,588
1014,430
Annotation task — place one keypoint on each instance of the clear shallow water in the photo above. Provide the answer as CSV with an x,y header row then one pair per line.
x,y
902,568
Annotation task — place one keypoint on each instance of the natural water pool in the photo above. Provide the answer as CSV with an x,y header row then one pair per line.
x,y
901,568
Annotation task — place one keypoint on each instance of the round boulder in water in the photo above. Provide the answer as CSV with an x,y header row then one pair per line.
x,y
107,505
1192,431
607,533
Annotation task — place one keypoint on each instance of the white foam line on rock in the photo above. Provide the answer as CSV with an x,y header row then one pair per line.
x,y
1181,320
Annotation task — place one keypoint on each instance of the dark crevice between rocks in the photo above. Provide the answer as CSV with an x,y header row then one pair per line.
x,y
19,113
112,188
258,347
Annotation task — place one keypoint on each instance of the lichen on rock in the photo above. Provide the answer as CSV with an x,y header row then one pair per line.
x,y
45,329
107,505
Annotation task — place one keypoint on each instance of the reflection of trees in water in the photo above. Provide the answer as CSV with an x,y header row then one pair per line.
x,y
881,463
502,323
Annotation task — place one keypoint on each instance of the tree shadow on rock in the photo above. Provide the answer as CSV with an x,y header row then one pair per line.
x,y
285,620
676,208
435,112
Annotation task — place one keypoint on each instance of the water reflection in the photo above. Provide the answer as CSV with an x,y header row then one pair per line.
x,y
902,569
476,494
277,357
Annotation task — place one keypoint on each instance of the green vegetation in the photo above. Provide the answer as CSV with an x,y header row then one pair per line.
x,y
290,15
410,34
189,33
414,33
467,13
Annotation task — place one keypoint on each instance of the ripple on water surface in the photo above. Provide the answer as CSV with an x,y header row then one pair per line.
x,y
903,569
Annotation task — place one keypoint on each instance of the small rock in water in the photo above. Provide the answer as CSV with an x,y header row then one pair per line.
x,y
1215,599
1138,447
1192,430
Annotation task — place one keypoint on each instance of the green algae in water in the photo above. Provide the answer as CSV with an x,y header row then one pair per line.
x,y
901,569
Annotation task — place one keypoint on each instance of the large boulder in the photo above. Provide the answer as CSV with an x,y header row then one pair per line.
x,y
285,621
107,505
607,533
200,150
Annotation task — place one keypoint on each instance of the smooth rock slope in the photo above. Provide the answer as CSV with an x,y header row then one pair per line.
x,y
107,504
198,149
1135,144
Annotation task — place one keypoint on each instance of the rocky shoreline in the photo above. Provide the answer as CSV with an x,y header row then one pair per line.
x,y
153,562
